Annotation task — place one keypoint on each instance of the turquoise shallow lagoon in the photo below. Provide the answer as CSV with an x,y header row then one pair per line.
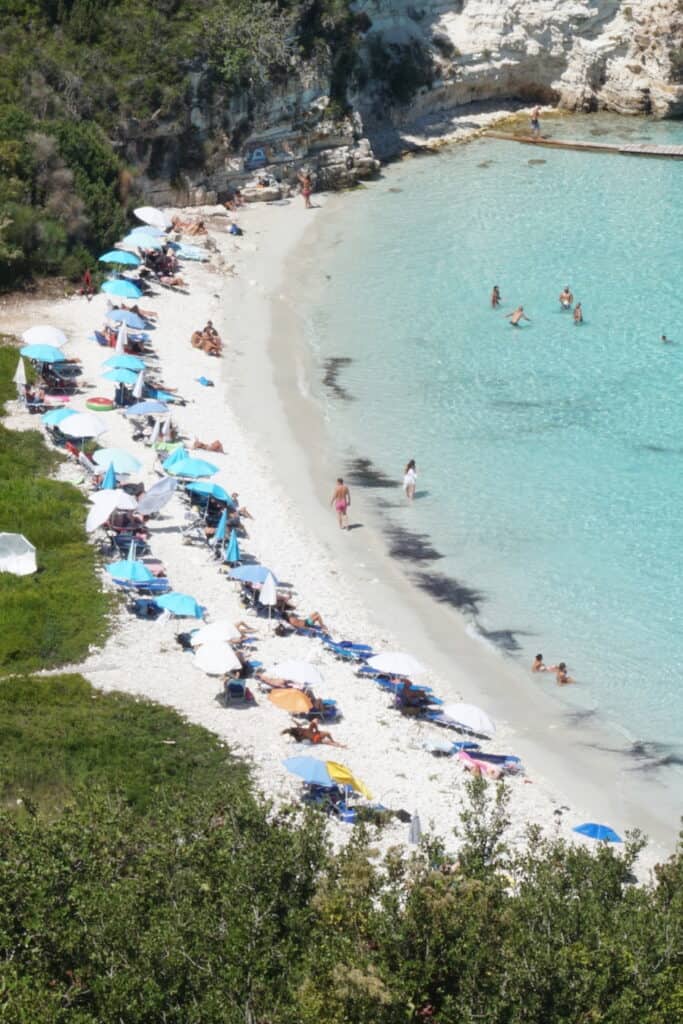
x,y
550,458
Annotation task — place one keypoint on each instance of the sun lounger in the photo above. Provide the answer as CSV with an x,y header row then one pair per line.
x,y
160,586
235,691
479,767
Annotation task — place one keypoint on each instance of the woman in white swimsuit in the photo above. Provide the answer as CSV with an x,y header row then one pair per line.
x,y
410,480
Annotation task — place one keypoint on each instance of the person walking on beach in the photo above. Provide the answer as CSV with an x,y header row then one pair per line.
x,y
517,315
495,297
536,122
410,479
341,499
578,314
306,189
566,298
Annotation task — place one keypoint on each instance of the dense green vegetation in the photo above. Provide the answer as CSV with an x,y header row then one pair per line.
x,y
51,617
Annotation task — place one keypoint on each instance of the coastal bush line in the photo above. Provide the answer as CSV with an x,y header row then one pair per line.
x,y
52,617
142,879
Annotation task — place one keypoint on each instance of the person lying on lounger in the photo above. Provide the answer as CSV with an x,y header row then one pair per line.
x,y
408,697
146,314
312,621
311,733
212,446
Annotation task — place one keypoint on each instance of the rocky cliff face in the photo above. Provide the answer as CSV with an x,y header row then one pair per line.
x,y
580,54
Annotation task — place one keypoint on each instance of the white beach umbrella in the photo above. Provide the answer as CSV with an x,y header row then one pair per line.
x,y
215,632
83,424
268,593
106,502
216,659
150,215
19,377
139,385
121,339
301,672
17,555
396,663
471,718
157,496
43,334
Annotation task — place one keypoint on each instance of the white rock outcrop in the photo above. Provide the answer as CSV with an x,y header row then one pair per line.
x,y
622,55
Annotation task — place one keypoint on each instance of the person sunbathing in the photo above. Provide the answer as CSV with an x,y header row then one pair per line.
x,y
408,697
146,314
171,282
311,733
212,446
312,621
211,344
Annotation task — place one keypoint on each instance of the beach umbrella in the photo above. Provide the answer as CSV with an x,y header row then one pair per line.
x,y
83,424
150,215
43,334
415,830
142,241
19,377
157,496
139,385
252,574
42,353
470,717
217,658
121,340
177,455
17,554
324,773
106,502
191,467
121,361
120,256
122,287
294,701
603,833
154,436
396,663
147,408
268,594
219,535
181,605
207,487
215,632
232,553
55,416
121,376
130,570
301,672
121,460
109,479
147,229
126,316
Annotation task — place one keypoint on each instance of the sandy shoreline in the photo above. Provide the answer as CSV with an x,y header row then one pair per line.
x,y
260,411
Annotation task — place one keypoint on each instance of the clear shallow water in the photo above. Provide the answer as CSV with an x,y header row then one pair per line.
x,y
551,457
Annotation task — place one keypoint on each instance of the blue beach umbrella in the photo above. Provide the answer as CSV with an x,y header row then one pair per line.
x,y
191,467
134,572
55,416
43,353
150,408
232,554
109,479
219,535
142,240
125,259
125,316
602,833
205,487
125,362
121,376
182,605
147,230
252,574
121,287
121,460
177,455
310,769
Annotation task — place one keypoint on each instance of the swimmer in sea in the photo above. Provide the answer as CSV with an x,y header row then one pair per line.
x,y
666,341
495,297
566,298
563,679
578,314
341,499
517,315
538,664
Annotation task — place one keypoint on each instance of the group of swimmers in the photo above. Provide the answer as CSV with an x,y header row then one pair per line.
x,y
517,315
561,675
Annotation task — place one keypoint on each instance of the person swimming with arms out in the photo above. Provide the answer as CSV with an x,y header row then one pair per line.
x,y
516,315
566,298
495,297
578,314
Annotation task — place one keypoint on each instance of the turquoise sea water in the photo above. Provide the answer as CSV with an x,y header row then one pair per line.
x,y
550,458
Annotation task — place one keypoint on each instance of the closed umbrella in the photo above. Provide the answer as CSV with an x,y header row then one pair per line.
x,y
150,215
121,376
44,334
122,461
125,316
301,672
268,594
147,408
154,436
219,535
232,553
42,353
471,718
216,659
121,339
83,424
294,701
252,574
19,377
55,416
191,467
122,287
139,385
396,663
415,830
215,632
157,496
120,256
121,361
109,479
603,833
130,570
181,605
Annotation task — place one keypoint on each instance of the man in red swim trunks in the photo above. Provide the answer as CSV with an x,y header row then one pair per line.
x,y
341,499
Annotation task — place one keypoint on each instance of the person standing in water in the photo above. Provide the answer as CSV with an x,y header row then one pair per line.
x,y
495,297
410,480
517,315
578,314
566,298
341,499
536,122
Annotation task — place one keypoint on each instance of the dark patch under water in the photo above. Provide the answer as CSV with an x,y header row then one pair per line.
x,y
362,472
410,546
536,163
332,367
505,639
649,756
659,449
447,590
